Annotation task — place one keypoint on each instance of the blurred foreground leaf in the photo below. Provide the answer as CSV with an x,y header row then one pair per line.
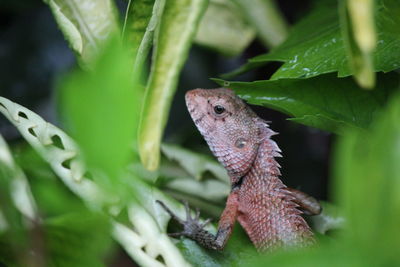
x,y
80,239
368,186
324,102
101,108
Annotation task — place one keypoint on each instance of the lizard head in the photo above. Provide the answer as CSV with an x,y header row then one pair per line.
x,y
229,126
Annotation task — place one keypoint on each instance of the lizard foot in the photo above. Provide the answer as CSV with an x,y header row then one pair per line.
x,y
192,227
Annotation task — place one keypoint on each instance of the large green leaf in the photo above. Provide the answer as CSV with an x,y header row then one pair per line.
x,y
174,36
325,102
86,24
315,44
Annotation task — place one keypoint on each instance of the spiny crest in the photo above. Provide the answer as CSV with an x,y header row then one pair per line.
x,y
269,150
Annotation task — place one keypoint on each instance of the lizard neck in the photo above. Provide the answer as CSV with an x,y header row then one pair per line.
x,y
266,170
263,162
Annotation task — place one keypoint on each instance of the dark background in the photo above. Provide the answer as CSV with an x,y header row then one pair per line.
x,y
33,54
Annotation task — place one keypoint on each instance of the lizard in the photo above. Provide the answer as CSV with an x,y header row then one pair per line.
x,y
268,211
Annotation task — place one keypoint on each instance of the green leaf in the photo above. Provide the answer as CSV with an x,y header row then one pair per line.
x,y
86,24
144,221
266,18
202,177
368,185
101,109
224,29
137,19
141,19
325,102
194,163
173,39
315,44
195,177
147,223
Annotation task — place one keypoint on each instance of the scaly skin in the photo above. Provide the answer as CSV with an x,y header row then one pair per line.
x,y
263,205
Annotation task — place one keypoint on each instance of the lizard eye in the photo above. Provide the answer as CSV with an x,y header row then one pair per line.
x,y
218,109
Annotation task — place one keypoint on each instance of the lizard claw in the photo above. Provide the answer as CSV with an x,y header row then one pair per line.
x,y
187,209
206,222
191,226
173,216
197,216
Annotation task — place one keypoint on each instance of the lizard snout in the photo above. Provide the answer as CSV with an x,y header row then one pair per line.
x,y
193,99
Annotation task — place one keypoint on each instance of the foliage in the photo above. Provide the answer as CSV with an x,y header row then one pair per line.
x,y
315,45
67,201
324,102
85,24
172,40
367,189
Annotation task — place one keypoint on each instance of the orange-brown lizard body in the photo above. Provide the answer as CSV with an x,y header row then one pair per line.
x,y
263,205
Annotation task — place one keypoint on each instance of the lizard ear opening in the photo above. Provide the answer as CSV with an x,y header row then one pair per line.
x,y
240,143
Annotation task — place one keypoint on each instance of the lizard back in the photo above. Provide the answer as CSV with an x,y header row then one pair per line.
x,y
267,210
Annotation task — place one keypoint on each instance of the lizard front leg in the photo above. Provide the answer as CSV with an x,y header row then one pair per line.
x,y
194,229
